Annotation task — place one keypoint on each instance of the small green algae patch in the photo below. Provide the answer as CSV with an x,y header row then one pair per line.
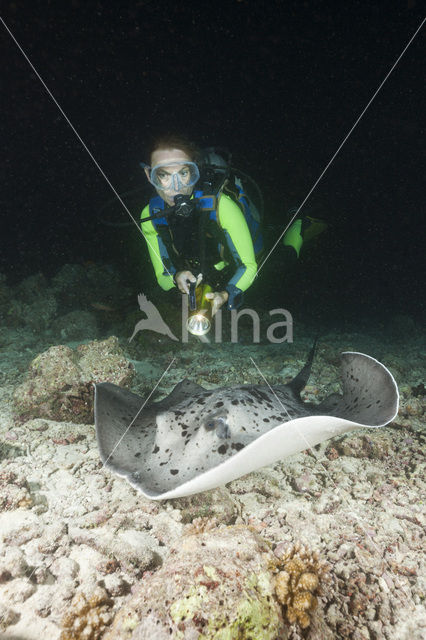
x,y
250,617
210,572
130,623
188,606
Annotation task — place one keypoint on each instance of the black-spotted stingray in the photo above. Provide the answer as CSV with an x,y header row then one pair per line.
x,y
197,439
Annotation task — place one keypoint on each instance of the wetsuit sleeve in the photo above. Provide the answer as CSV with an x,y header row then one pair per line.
x,y
158,253
238,238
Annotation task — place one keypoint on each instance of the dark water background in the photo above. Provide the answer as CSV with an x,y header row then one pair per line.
x,y
279,83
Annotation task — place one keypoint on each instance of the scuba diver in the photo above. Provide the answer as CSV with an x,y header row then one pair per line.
x,y
200,226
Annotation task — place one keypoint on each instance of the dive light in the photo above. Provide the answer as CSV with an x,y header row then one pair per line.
x,y
200,310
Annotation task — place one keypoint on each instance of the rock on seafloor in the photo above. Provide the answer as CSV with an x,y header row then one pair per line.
x,y
59,384
216,584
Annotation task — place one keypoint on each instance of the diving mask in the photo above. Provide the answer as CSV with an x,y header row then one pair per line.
x,y
174,176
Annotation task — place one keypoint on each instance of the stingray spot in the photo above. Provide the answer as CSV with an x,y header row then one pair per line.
x,y
156,449
201,401
183,434
138,454
238,446
235,402
174,471
219,404
223,449
265,419
368,406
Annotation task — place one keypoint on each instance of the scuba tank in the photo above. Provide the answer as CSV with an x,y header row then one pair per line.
x,y
217,175
216,168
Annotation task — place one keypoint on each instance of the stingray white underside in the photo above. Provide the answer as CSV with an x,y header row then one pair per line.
x,y
282,441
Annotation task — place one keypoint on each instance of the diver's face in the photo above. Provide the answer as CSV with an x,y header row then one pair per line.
x,y
176,159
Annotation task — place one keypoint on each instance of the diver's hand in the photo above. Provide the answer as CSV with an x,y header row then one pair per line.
x,y
218,299
182,278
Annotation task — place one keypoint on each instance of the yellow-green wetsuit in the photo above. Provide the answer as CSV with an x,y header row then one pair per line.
x,y
229,246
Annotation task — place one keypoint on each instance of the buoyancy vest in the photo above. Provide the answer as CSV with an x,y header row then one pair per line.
x,y
209,204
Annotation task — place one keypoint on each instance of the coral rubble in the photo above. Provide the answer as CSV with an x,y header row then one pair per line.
x,y
298,581
87,617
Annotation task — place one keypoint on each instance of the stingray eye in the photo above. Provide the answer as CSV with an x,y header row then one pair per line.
x,y
210,425
219,425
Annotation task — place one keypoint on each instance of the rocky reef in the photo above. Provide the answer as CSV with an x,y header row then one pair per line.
x,y
84,556
59,384
214,584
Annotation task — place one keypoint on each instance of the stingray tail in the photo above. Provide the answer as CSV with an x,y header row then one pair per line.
x,y
299,382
